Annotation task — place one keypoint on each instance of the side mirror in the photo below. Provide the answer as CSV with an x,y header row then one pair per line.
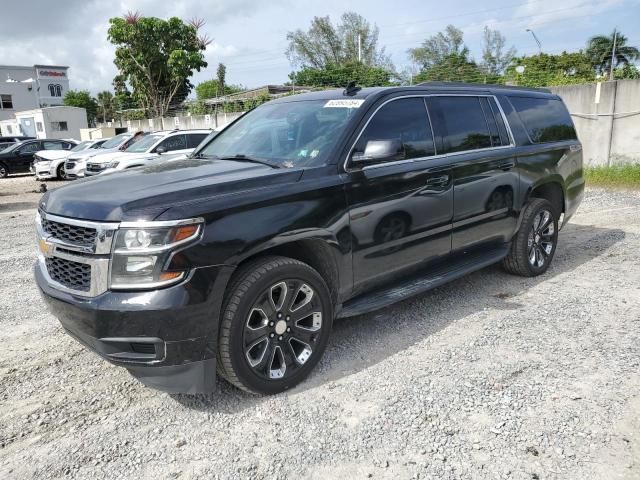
x,y
161,150
379,150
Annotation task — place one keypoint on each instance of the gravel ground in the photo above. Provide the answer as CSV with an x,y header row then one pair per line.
x,y
491,376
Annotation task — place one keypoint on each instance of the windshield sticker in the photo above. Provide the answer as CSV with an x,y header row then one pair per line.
x,y
350,103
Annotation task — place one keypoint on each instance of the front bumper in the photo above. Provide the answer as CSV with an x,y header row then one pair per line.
x,y
44,171
76,171
166,338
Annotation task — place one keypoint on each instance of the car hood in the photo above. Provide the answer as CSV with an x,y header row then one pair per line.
x,y
118,155
92,152
53,154
146,192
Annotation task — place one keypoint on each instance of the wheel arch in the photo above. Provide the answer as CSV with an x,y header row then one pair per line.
x,y
319,253
552,189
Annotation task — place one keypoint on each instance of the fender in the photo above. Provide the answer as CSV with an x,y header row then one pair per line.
x,y
551,179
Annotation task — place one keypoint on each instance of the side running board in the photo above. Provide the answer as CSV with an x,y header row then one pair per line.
x,y
424,281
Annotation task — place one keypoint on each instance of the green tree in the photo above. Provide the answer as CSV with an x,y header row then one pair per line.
x,y
106,103
600,50
209,89
437,48
326,44
627,72
157,57
455,67
334,75
495,59
544,70
123,100
221,74
82,99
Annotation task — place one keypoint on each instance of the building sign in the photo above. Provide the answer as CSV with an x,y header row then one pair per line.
x,y
51,73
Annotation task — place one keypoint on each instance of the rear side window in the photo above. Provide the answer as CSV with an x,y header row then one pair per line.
x,y
405,120
175,142
464,123
194,139
52,145
546,119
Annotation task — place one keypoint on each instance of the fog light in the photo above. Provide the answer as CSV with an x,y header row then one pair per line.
x,y
140,265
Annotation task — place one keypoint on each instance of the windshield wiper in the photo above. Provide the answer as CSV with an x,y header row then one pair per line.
x,y
246,158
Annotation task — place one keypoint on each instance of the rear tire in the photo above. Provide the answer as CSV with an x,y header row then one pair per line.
x,y
534,245
275,324
4,171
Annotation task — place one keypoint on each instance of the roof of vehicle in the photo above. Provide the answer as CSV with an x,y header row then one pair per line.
x,y
190,130
434,87
15,137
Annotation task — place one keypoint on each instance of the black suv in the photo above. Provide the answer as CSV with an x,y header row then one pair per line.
x,y
19,157
310,207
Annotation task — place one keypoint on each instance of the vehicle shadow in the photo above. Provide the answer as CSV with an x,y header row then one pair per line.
x,y
361,342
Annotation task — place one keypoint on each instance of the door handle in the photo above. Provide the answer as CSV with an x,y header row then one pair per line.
x,y
439,181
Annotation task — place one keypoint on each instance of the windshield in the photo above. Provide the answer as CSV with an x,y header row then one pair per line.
x,y
116,141
144,144
81,146
289,134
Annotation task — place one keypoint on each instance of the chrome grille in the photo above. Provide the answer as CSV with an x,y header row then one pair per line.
x,y
73,275
77,235
96,167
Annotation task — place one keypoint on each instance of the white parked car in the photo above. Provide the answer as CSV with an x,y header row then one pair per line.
x,y
147,149
49,164
76,162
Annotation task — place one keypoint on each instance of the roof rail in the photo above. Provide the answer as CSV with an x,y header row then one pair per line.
x,y
481,85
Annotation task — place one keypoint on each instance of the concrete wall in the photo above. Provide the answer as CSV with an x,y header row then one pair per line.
x,y
607,118
181,123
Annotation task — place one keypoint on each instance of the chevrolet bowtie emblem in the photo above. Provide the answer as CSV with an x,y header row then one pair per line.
x,y
45,247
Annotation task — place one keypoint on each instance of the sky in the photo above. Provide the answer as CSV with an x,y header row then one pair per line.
x,y
249,36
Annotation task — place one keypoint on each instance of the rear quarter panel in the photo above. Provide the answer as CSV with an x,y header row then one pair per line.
x,y
539,164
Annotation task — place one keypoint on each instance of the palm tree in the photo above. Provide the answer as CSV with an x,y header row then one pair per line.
x,y
600,49
105,105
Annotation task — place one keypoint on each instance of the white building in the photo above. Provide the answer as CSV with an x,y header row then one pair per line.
x,y
27,88
49,122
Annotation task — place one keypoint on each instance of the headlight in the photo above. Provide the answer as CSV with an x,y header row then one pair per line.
x,y
142,253
112,164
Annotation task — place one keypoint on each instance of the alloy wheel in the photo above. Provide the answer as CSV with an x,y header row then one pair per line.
x,y
282,329
540,242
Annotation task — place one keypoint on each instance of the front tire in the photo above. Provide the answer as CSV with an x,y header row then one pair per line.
x,y
534,245
4,171
62,175
275,324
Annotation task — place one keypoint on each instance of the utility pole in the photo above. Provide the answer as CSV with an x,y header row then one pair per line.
x,y
359,48
613,52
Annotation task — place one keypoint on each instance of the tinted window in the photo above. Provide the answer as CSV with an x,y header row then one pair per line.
x,y
52,145
546,119
175,142
194,139
496,141
405,120
30,147
502,129
464,123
